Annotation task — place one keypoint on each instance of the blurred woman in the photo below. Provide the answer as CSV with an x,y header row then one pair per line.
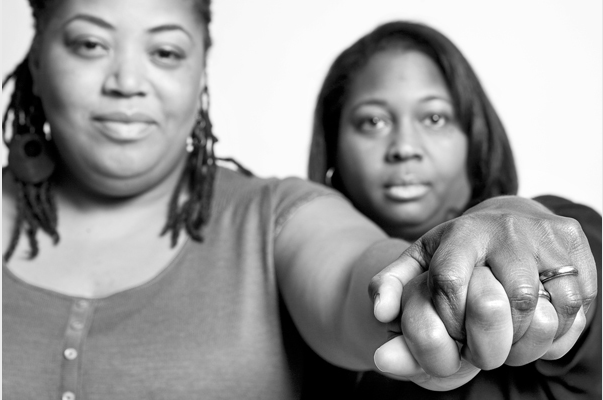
x,y
404,129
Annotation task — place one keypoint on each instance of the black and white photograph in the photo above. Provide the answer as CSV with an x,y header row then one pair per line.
x,y
324,199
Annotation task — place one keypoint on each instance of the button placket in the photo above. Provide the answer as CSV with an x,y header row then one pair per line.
x,y
78,325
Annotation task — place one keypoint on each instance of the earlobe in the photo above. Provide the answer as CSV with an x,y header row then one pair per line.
x,y
203,82
201,99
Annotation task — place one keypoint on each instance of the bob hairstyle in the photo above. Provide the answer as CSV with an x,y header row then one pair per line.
x,y
490,162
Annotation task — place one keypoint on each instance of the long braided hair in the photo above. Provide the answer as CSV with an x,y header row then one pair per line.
x,y
190,204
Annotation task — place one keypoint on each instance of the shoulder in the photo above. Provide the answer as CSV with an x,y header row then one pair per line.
x,y
567,208
589,219
234,187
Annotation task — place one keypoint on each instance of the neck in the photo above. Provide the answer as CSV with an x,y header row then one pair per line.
x,y
408,233
412,233
74,193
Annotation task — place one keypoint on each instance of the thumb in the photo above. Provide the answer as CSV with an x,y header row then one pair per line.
x,y
385,289
395,358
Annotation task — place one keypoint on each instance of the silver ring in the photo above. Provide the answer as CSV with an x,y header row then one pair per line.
x,y
544,294
557,272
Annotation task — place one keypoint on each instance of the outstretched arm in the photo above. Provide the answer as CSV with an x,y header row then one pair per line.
x,y
327,253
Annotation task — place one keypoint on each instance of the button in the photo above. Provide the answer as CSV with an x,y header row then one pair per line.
x,y
70,353
77,325
81,304
68,396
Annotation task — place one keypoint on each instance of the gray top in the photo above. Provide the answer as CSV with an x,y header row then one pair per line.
x,y
211,325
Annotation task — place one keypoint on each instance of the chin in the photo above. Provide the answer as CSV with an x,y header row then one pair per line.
x,y
408,224
117,189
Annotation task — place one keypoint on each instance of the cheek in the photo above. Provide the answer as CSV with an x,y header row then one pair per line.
x,y
66,92
179,99
356,160
359,167
452,171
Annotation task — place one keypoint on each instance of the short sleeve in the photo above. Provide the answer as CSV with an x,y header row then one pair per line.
x,y
291,194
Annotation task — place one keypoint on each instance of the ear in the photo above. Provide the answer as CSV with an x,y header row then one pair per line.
x,y
202,88
33,60
203,82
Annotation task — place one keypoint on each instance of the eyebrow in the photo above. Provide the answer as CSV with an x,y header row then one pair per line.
x,y
104,24
435,97
381,103
170,27
92,19
369,102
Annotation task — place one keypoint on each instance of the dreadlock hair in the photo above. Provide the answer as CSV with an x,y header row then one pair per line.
x,y
198,177
35,201
190,204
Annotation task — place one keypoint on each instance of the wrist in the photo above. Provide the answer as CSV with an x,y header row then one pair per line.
x,y
515,204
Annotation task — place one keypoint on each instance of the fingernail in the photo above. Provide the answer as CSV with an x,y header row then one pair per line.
x,y
375,361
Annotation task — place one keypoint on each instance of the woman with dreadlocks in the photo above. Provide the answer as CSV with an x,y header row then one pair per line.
x,y
109,130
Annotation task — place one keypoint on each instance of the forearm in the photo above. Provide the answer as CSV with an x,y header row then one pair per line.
x,y
358,310
334,312
324,272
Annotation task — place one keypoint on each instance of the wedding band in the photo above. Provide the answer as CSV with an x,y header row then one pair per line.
x,y
557,272
543,293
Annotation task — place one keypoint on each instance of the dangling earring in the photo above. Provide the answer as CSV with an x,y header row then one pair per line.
x,y
47,131
30,158
329,176
189,144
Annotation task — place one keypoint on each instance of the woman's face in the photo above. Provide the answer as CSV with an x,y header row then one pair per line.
x,y
120,82
401,154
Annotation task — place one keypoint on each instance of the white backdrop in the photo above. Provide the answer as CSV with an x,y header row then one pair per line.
x,y
540,61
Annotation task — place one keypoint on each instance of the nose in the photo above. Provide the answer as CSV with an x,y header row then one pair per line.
x,y
127,77
405,145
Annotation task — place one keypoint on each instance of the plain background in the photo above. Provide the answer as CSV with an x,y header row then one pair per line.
x,y
540,62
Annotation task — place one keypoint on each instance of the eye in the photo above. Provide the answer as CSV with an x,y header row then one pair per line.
x,y
435,120
168,57
88,47
373,123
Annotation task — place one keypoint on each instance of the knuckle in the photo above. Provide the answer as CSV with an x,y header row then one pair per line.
x,y
424,340
490,308
523,299
571,305
447,284
573,228
571,231
509,222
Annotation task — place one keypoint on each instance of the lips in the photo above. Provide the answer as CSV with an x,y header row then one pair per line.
x,y
124,127
406,189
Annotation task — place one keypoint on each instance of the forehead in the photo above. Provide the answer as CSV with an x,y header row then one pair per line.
x,y
394,69
133,14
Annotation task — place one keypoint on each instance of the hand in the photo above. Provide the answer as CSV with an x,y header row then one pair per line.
x,y
425,354
517,239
